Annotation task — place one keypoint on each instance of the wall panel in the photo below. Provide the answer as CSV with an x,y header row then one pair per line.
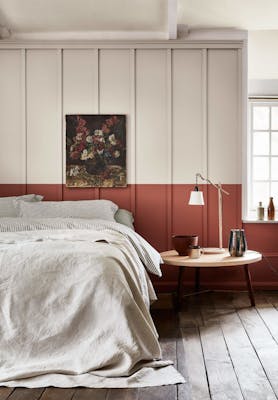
x,y
44,135
189,97
12,117
224,138
152,162
80,81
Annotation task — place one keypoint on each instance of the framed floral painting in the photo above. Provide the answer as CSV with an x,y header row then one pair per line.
x,y
96,150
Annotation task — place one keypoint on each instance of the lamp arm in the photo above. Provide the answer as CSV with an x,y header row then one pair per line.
x,y
217,186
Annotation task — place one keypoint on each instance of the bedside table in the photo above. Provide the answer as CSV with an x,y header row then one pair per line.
x,y
210,261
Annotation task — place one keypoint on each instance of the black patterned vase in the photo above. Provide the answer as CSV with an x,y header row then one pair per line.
x,y
237,243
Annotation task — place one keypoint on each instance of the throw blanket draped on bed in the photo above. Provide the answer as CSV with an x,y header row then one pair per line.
x,y
74,311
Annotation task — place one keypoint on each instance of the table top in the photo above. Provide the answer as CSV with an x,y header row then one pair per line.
x,y
210,260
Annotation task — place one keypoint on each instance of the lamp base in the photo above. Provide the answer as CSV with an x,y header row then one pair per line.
x,y
213,250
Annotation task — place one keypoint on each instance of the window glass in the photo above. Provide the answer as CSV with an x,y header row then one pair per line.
x,y
260,118
260,193
274,168
260,168
261,143
274,118
274,192
274,143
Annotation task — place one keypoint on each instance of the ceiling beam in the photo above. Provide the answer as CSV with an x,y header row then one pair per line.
x,y
172,18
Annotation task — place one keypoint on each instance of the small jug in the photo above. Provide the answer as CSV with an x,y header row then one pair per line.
x,y
237,243
194,251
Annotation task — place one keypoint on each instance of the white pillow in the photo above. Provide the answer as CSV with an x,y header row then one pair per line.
x,y
8,207
90,209
124,217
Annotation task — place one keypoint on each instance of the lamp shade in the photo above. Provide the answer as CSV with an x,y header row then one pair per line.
x,y
196,198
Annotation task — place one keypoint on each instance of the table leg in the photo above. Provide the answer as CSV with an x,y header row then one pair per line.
x,y
180,288
249,285
197,279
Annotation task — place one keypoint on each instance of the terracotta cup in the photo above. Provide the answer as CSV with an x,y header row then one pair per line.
x,y
182,242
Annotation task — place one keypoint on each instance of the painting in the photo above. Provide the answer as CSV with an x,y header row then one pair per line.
x,y
96,150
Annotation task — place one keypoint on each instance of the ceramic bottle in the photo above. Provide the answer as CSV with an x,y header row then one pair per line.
x,y
260,212
271,210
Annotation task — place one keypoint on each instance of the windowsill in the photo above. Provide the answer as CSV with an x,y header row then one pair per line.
x,y
255,221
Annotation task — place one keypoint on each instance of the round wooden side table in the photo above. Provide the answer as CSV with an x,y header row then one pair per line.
x,y
210,261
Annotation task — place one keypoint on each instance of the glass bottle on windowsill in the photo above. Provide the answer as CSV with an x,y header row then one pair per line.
x,y
260,212
271,210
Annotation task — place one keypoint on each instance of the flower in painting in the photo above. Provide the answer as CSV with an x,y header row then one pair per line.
x,y
105,128
112,140
109,122
75,155
84,155
115,119
89,139
78,137
81,121
100,152
98,132
117,154
74,171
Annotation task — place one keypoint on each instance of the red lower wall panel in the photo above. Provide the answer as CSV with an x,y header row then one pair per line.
x,y
263,237
162,210
13,190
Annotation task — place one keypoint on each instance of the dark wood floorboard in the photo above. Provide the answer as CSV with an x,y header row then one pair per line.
x,y
52,393
89,394
224,348
26,394
120,394
5,392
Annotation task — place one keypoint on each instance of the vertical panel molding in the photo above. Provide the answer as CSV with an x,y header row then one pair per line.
x,y
169,193
205,141
24,115
97,97
60,109
132,151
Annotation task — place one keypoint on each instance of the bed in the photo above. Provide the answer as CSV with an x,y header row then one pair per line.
x,y
74,304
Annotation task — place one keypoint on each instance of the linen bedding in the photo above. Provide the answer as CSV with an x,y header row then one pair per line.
x,y
74,306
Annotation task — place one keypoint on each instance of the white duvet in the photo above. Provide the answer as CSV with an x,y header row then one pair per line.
x,y
74,310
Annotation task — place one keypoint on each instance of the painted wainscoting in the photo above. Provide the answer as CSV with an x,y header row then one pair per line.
x,y
183,102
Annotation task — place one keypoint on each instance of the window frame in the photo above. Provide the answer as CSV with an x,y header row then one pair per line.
x,y
250,214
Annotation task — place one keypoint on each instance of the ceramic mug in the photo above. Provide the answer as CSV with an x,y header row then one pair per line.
x,y
194,251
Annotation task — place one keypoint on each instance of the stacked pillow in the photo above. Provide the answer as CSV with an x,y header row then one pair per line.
x,y
31,206
90,209
124,217
9,205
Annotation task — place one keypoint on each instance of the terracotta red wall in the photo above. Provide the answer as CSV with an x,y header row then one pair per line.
x,y
163,210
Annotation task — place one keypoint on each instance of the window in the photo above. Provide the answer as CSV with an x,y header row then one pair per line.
x,y
263,151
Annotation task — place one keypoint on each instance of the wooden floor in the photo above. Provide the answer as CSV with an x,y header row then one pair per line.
x,y
224,348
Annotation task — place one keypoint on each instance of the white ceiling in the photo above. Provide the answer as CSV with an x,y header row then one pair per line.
x,y
131,18
242,14
83,15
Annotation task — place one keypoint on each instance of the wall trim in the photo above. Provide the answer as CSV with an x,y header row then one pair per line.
x,y
147,44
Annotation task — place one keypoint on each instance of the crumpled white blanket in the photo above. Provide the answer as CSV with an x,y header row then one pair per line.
x,y
74,312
